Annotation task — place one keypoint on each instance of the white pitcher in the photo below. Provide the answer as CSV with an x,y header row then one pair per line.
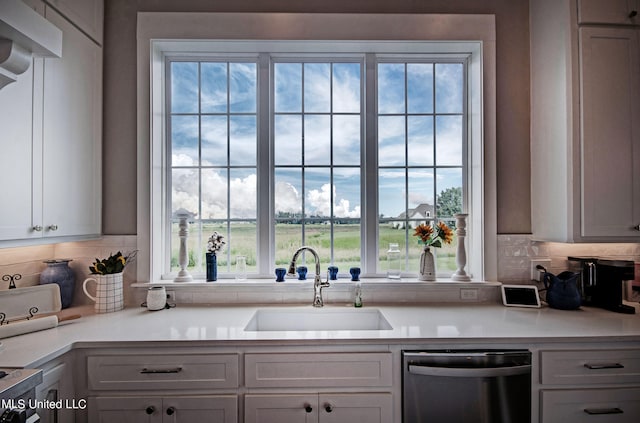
x,y
109,292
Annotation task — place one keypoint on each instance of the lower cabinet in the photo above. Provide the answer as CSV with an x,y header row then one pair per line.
x,y
590,385
57,385
319,408
178,409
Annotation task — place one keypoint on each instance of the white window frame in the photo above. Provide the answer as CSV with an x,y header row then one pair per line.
x,y
162,34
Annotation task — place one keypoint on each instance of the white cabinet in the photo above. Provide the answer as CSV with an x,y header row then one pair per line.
x,y
585,130
178,409
51,144
340,387
616,12
57,388
319,408
590,385
72,132
173,386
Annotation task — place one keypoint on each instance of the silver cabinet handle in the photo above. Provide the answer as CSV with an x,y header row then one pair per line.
x,y
160,371
600,366
53,227
37,228
469,372
595,411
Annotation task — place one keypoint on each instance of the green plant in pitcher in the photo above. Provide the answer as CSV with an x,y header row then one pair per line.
x,y
115,263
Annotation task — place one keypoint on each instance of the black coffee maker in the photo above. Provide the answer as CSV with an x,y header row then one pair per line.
x,y
601,281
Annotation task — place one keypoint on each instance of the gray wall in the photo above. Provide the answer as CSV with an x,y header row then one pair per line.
x,y
512,63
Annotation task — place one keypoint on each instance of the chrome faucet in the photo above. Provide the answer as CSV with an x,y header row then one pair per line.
x,y
317,282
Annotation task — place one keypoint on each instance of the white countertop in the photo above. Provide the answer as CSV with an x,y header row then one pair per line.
x,y
411,325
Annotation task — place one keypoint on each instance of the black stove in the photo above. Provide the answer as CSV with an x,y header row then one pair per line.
x,y
17,390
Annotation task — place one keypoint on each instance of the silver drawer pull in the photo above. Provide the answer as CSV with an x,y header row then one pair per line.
x,y
599,366
595,411
160,371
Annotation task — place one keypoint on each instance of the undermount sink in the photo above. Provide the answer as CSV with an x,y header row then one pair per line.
x,y
296,319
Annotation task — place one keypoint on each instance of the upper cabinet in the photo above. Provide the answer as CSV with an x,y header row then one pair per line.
x,y
585,121
614,12
51,143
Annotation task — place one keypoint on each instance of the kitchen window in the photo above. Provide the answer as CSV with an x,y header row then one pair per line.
x,y
324,164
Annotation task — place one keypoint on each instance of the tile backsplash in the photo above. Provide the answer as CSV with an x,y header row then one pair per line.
x,y
515,253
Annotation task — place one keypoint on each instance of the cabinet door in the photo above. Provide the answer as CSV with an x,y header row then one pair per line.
x,y
355,408
17,148
281,408
125,409
610,105
72,135
591,405
218,409
618,12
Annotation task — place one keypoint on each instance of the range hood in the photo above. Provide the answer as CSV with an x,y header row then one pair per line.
x,y
24,34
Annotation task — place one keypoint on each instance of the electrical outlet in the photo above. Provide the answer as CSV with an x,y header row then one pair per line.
x,y
535,273
171,297
468,293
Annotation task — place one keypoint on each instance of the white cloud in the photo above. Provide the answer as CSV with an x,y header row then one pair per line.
x,y
320,202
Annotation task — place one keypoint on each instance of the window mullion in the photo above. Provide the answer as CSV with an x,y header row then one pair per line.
x,y
265,169
369,170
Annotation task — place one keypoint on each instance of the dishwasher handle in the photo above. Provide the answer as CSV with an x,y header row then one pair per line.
x,y
422,370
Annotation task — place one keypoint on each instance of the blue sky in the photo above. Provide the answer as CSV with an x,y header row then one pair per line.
x,y
323,102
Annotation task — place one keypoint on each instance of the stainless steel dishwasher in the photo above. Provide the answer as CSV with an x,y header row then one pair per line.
x,y
446,386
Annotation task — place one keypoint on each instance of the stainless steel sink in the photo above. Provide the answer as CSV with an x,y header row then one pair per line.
x,y
303,319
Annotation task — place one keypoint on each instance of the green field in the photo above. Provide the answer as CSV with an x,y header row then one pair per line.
x,y
288,237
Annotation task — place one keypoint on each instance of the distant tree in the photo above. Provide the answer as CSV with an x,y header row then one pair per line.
x,y
449,202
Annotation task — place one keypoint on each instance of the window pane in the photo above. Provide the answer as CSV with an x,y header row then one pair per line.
x,y
242,140
449,87
213,98
346,88
287,198
449,189
318,193
391,140
242,87
288,140
184,87
391,193
288,87
391,88
214,194
242,193
317,88
242,242
317,140
346,140
347,193
420,195
185,187
214,140
420,140
420,87
449,140
184,141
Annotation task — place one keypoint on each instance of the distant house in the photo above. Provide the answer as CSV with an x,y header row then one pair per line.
x,y
422,212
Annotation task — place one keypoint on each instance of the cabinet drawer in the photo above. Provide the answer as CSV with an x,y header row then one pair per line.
x,y
124,372
591,405
318,370
590,367
615,12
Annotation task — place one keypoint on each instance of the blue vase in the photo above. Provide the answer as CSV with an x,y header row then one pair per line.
x,y
212,267
59,272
